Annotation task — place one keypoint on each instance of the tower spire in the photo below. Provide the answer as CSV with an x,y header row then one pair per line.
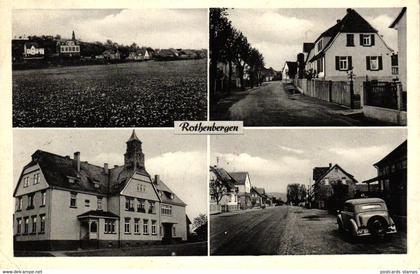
x,y
73,36
134,157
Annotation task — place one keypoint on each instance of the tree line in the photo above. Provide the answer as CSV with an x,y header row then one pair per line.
x,y
228,45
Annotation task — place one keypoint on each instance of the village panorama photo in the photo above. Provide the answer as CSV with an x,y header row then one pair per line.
x,y
109,68
109,193
309,67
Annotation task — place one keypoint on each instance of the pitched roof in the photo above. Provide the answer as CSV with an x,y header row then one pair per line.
x,y
400,15
331,168
166,195
239,177
98,213
224,177
352,22
318,172
58,169
398,152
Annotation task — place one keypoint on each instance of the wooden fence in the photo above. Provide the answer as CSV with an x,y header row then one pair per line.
x,y
331,91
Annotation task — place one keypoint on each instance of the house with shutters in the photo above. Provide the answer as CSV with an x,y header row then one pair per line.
x,y
352,44
65,203
332,186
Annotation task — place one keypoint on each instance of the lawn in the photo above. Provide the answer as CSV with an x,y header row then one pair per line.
x,y
146,94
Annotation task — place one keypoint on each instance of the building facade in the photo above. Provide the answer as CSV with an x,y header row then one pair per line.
x,y
64,203
400,24
391,183
223,192
332,187
352,44
243,183
69,48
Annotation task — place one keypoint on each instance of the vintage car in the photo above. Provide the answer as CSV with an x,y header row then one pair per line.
x,y
366,216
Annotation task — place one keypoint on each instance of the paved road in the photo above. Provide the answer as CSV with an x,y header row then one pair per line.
x,y
272,105
290,231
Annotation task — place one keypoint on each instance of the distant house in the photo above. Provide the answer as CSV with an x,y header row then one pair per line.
x,y
259,198
166,54
243,183
32,50
221,180
111,54
352,44
391,182
69,48
268,74
332,186
400,24
141,54
289,70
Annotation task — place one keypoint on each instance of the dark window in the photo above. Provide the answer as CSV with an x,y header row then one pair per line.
x,y
18,225
34,220
93,227
26,225
43,198
42,227
350,40
129,204
141,206
30,201
73,199
152,207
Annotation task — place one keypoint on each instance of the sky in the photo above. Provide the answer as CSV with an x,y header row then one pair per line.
x,y
180,160
156,28
279,34
284,156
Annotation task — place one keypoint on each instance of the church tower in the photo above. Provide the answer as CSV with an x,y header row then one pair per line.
x,y
134,157
73,36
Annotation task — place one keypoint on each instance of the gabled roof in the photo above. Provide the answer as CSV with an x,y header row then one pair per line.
x,y
352,22
30,44
331,168
166,195
318,172
402,12
398,152
224,177
239,177
58,169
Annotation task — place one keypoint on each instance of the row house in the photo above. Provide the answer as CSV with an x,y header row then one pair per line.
x,y
223,191
352,44
332,186
65,203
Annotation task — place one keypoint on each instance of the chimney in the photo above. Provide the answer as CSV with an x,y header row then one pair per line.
x,y
77,160
349,10
338,21
106,168
330,165
115,166
157,179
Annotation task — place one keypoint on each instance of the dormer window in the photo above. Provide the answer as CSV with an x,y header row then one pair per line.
x,y
37,178
172,196
319,45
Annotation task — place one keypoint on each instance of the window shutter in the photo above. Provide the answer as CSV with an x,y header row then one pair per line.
x,y
350,65
337,63
372,39
368,62
380,62
361,39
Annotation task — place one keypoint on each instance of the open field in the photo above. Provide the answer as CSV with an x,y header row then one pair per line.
x,y
147,94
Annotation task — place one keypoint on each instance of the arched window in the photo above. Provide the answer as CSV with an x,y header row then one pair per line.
x,y
93,227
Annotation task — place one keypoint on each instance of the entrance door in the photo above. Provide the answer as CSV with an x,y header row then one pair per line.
x,y
167,233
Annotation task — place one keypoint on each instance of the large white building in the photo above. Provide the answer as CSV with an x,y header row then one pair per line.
x,y
65,203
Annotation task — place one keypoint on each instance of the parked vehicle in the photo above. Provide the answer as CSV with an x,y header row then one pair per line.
x,y
366,216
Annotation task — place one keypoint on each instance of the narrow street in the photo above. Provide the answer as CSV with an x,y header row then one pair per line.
x,y
272,105
289,230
